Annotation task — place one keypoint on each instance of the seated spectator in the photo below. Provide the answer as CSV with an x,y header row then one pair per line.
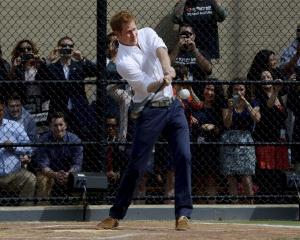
x,y
205,161
68,63
239,117
14,110
203,16
55,163
27,66
4,67
13,176
270,128
290,57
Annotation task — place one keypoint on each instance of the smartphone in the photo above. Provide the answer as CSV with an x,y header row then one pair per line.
x,y
235,99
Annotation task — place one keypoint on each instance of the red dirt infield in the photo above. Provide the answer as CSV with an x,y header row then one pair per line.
x,y
145,230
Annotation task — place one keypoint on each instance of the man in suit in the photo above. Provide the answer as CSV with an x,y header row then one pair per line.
x,y
67,63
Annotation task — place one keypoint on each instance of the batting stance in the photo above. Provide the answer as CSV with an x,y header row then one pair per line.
x,y
143,61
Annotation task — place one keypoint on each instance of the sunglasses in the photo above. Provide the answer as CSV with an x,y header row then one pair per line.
x,y
23,49
67,45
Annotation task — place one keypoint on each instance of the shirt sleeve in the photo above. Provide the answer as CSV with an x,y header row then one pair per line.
x,y
153,40
133,74
287,54
21,137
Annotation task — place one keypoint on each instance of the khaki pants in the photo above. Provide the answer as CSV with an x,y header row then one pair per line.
x,y
44,185
21,181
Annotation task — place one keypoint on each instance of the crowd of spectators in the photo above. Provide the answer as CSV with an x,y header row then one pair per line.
x,y
238,113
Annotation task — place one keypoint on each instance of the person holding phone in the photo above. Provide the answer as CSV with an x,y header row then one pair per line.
x,y
239,117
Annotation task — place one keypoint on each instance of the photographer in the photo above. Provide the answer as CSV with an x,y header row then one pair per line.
x,y
68,63
26,63
190,64
186,53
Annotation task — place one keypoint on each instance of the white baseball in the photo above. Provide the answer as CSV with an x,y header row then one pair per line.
x,y
184,93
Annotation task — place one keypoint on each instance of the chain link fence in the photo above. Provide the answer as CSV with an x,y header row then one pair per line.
x,y
63,112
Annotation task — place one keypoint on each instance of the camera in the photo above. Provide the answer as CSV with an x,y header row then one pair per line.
x,y
89,180
65,51
185,34
26,57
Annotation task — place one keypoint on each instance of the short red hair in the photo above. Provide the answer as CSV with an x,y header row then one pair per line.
x,y
120,18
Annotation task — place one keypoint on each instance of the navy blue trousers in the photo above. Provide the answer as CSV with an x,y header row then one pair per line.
x,y
149,126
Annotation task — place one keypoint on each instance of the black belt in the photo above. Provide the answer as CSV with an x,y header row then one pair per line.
x,y
162,103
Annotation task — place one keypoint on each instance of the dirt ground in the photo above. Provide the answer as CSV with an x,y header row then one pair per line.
x,y
145,230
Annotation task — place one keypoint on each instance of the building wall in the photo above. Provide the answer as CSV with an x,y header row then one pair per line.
x,y
250,26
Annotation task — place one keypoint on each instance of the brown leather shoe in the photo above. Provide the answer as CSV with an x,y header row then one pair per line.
x,y
182,223
108,223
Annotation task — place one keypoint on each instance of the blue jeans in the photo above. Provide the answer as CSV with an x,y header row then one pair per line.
x,y
148,128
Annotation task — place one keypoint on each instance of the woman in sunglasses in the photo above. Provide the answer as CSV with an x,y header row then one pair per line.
x,y
26,64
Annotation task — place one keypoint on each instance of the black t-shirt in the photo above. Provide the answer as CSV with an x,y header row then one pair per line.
x,y
188,60
201,15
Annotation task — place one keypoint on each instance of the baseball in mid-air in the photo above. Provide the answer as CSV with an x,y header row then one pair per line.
x,y
184,93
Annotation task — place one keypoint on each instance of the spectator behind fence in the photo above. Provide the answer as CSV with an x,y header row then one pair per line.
x,y
290,57
270,128
4,68
55,163
293,103
239,117
120,93
186,53
208,129
27,66
15,111
115,159
68,63
264,60
14,177
189,99
203,16
190,64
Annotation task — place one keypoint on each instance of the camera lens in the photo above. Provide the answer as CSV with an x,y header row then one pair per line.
x,y
26,57
65,51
